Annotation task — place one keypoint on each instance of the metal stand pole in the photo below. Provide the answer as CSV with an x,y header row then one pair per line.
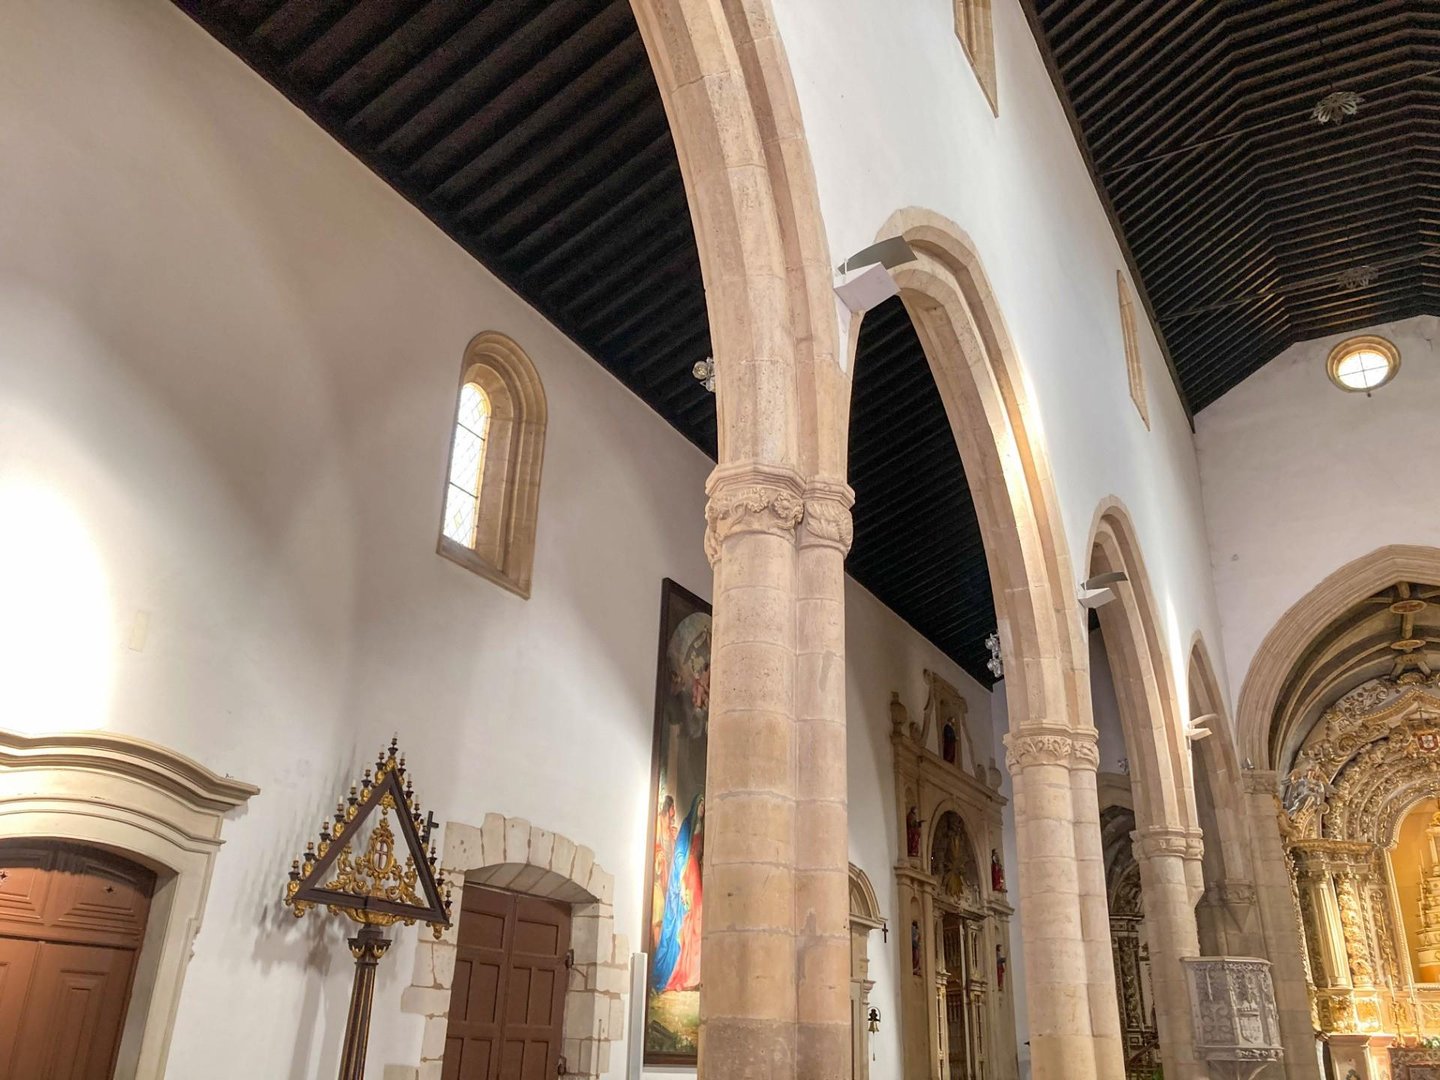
x,y
369,946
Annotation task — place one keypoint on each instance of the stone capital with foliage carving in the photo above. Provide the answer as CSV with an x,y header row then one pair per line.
x,y
1073,749
827,520
751,499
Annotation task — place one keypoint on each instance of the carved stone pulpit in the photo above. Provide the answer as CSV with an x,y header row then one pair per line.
x,y
1232,1001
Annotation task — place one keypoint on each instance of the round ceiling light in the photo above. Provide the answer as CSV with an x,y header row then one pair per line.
x,y
1363,364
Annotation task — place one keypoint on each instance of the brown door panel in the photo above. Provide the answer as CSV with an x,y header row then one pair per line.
x,y
508,999
17,969
70,1029
25,884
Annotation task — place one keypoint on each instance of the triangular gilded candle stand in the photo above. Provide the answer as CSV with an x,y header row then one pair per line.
x,y
425,899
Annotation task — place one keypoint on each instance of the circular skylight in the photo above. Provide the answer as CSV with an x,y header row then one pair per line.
x,y
1361,365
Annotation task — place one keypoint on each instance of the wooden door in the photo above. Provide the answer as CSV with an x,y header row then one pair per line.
x,y
507,1004
71,924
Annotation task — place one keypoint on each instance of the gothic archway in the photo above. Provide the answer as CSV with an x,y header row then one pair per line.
x,y
1052,741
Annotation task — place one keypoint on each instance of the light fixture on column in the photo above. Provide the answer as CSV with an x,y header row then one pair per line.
x,y
874,285
704,372
1096,591
1197,729
996,663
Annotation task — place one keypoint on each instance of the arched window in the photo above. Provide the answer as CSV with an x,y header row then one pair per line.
x,y
467,465
492,488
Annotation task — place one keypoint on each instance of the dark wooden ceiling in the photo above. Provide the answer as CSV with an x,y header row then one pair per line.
x,y
532,132
1250,223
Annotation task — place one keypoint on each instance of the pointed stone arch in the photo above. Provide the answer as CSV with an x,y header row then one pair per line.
x,y
1168,841
778,528
1052,745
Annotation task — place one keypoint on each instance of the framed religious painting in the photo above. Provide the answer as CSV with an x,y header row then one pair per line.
x,y
674,898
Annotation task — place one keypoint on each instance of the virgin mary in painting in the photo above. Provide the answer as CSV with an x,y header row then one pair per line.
x,y
676,895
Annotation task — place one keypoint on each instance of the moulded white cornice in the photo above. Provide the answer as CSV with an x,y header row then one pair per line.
x,y
173,773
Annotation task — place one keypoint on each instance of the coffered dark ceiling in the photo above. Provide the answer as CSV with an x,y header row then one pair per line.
x,y
533,134
1252,224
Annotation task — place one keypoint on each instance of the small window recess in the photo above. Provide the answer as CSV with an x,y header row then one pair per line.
x,y
1134,366
492,478
974,26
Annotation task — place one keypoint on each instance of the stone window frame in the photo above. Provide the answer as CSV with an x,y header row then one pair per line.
x,y
504,550
1134,365
975,27
151,805
510,853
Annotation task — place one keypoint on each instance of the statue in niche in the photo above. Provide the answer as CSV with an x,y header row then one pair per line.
x,y
912,833
1306,787
999,968
997,872
916,953
948,743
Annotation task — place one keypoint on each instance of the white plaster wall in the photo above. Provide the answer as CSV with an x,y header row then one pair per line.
x,y
228,365
1300,478
895,118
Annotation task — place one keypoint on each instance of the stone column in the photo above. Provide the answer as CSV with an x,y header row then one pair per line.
x,y
1280,925
1104,1010
1069,974
822,872
1164,854
748,1004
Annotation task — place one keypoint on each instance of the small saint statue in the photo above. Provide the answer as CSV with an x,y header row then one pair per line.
x,y
1306,786
999,967
916,967
912,833
997,872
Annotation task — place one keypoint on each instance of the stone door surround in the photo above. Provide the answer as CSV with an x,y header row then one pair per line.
x,y
510,853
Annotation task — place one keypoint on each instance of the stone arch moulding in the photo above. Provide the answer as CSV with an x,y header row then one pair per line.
x,y
150,804
1220,755
1144,677
504,549
1294,632
731,102
510,853
1052,738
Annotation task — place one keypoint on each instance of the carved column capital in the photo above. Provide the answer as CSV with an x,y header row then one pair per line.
x,y
1260,782
1073,749
751,498
1157,840
827,520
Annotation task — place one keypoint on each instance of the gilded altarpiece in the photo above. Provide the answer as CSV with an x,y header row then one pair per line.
x,y
953,917
1371,759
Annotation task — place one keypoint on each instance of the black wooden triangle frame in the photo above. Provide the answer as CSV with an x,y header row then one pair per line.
x,y
435,911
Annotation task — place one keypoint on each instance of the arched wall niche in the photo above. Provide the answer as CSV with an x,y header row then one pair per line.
x,y
1052,736
150,805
